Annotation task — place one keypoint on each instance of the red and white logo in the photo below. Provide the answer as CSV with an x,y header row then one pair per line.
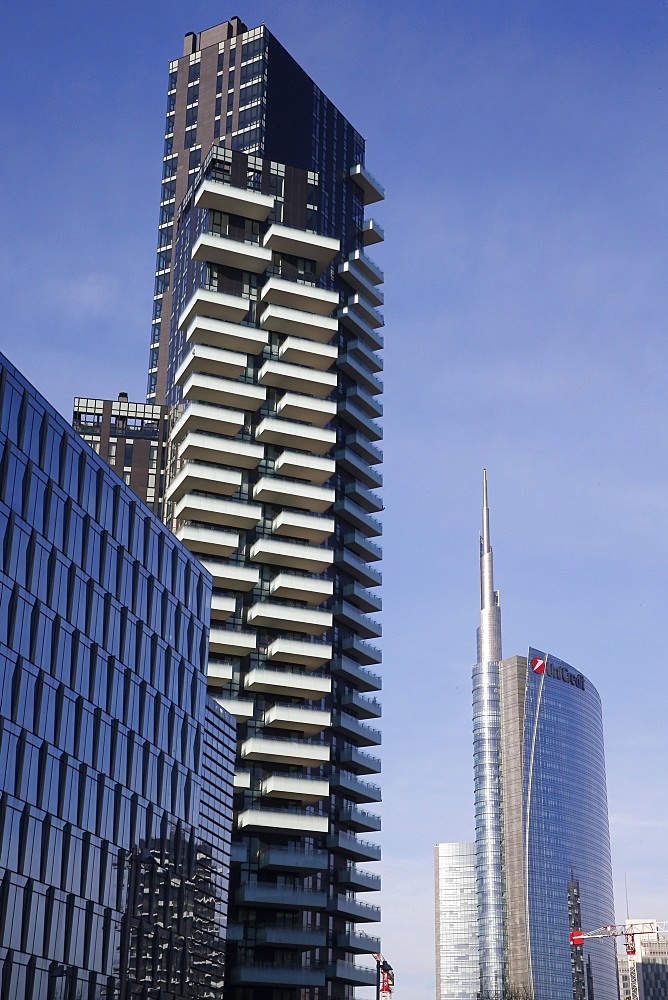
x,y
538,665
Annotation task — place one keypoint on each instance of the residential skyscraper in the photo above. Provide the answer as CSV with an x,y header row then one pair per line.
x,y
457,961
266,346
115,766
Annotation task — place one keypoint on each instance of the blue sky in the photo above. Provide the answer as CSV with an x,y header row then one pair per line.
x,y
523,147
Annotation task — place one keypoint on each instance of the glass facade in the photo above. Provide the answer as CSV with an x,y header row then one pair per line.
x,y
561,868
457,964
114,799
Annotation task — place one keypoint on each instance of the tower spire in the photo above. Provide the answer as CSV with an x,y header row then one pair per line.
x,y
489,633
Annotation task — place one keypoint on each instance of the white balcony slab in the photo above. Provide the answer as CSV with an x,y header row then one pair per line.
x,y
298,243
284,751
271,489
296,295
284,786
371,232
281,319
231,576
211,361
307,654
242,779
303,720
232,336
273,430
288,822
214,542
204,417
216,448
222,606
223,392
292,683
293,406
371,189
241,710
231,642
297,378
219,674
311,558
209,510
313,590
357,278
214,249
205,479
311,468
234,200
268,614
216,305
311,527
299,351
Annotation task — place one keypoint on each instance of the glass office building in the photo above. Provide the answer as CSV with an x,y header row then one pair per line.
x,y
457,962
115,799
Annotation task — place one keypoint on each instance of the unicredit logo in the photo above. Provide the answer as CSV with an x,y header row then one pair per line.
x,y
538,665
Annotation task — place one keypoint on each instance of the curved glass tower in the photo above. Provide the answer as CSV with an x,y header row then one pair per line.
x,y
486,769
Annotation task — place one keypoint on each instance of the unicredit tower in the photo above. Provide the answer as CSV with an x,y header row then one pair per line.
x,y
542,841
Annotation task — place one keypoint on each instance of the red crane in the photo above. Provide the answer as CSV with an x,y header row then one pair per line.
x,y
628,931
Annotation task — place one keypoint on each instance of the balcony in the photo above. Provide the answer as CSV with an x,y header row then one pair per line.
x,y
348,906
231,576
357,941
284,239
357,568
365,401
311,468
289,434
218,674
359,819
366,628
359,850
281,896
212,361
363,307
285,786
211,511
309,655
289,976
360,650
354,788
242,779
284,751
209,479
295,555
352,319
362,262
298,351
355,731
366,450
356,466
295,587
357,278
197,447
211,419
353,514
212,249
359,762
234,200
360,706
355,416
211,541
241,710
362,598
293,406
222,606
233,336
231,642
266,614
223,392
310,527
214,305
362,546
354,369
294,295
281,821
296,378
303,720
371,233
364,354
364,679
372,190
288,683
310,326
292,859
348,972
291,937
371,502
288,493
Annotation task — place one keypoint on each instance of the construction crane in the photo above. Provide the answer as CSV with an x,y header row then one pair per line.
x,y
629,931
384,978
